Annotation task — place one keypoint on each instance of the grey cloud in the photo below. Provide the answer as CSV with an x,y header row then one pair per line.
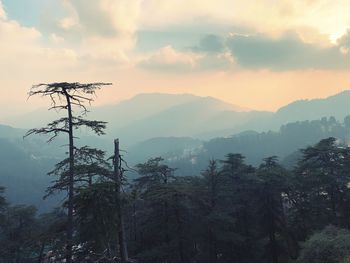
x,y
172,60
285,53
95,20
177,67
205,63
197,36
344,41
210,43
210,53
222,51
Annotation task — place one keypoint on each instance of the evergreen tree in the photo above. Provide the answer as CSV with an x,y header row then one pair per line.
x,y
210,208
90,167
18,240
164,224
320,187
331,245
97,222
239,187
64,96
216,208
271,196
51,235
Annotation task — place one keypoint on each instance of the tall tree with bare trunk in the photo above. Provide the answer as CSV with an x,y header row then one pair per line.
x,y
123,251
67,96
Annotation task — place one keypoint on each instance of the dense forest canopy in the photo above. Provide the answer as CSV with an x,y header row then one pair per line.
x,y
232,211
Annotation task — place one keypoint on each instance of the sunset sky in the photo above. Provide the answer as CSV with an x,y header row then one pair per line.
x,y
257,54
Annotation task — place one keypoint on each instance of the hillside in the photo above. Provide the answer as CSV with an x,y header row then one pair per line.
x,y
157,115
337,106
24,174
255,146
146,116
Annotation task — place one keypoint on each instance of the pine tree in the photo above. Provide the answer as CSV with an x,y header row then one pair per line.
x,y
239,187
165,215
65,96
209,208
320,187
271,191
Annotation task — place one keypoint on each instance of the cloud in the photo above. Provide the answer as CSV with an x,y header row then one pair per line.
x,y
2,11
125,18
265,16
25,60
169,59
109,31
210,43
195,36
56,40
287,52
103,30
23,46
344,40
106,18
223,61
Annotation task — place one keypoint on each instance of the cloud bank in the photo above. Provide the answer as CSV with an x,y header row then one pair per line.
x,y
198,46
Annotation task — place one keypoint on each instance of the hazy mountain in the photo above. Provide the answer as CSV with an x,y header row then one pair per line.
x,y
193,118
24,164
227,123
139,107
337,106
256,146
24,174
288,139
10,132
157,115
315,109
166,147
119,114
207,118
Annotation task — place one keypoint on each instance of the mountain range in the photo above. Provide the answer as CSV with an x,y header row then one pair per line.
x,y
146,116
186,129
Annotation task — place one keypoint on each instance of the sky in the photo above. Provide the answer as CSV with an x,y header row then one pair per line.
x,y
259,54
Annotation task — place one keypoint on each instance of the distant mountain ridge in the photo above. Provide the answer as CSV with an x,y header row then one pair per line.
x,y
184,115
153,115
138,107
186,119
337,105
10,132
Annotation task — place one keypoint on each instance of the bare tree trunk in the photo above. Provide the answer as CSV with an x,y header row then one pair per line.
x,y
90,180
180,232
290,240
121,234
212,238
41,253
272,233
166,222
71,183
134,222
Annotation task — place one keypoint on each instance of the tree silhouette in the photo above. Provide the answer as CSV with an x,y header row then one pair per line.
x,y
90,165
65,96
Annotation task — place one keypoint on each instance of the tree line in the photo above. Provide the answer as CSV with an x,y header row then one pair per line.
x,y
231,212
